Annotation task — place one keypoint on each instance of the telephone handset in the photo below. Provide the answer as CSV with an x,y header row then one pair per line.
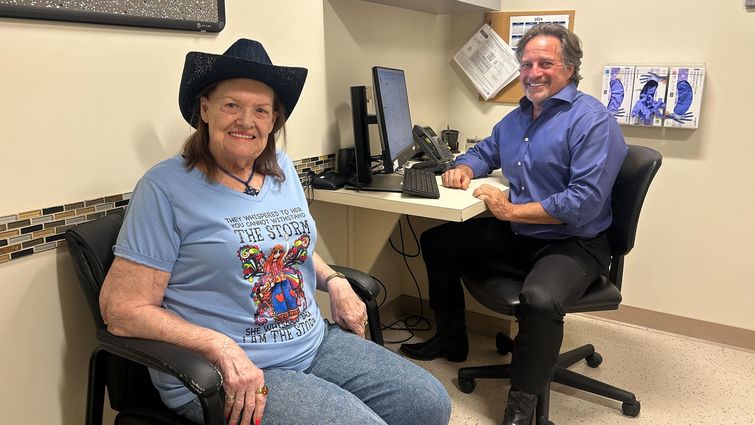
x,y
431,144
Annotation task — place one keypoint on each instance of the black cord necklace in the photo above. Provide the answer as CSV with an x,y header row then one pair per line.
x,y
249,190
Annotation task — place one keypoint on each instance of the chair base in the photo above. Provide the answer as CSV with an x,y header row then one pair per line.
x,y
561,374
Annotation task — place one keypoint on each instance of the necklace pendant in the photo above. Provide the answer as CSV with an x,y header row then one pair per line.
x,y
247,189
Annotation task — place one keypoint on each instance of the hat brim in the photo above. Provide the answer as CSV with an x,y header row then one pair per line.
x,y
204,69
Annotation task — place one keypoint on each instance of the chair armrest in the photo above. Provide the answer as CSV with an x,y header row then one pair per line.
x,y
197,373
364,285
368,288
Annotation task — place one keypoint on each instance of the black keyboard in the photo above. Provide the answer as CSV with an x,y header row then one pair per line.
x,y
420,183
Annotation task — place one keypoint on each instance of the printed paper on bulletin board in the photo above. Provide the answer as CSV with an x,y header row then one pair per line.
x,y
501,23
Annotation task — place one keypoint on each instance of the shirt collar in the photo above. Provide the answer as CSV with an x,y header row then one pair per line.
x,y
566,94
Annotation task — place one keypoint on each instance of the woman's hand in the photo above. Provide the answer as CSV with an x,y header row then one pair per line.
x,y
347,309
244,385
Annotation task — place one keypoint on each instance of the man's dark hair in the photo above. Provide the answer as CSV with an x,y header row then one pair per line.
x,y
571,45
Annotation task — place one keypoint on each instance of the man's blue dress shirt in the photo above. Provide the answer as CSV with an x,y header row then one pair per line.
x,y
567,159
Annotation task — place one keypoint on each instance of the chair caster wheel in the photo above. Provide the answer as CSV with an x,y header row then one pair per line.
x,y
467,385
594,360
503,344
631,409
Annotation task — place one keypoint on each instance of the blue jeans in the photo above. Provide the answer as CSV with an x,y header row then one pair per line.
x,y
351,381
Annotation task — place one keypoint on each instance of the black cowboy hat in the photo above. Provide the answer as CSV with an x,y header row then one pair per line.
x,y
244,59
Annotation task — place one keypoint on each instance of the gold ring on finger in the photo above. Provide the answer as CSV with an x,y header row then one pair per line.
x,y
262,390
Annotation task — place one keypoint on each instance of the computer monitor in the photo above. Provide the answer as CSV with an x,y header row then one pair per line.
x,y
394,127
393,117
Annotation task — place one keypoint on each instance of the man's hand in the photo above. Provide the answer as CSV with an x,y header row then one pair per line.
x,y
458,177
496,200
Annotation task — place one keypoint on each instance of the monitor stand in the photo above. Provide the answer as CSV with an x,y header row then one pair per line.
x,y
381,183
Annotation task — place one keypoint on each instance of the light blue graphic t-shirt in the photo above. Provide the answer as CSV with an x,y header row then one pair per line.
x,y
239,264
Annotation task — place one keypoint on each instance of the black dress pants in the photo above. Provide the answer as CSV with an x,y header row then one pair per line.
x,y
558,271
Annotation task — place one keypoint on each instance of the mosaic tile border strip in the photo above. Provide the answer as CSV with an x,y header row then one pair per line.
x,y
40,230
314,165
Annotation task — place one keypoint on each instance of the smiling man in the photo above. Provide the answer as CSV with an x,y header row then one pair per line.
x,y
560,151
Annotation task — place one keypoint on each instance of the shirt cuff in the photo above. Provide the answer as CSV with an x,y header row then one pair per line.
x,y
478,168
551,207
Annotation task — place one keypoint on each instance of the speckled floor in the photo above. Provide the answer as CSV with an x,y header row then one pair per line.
x,y
678,380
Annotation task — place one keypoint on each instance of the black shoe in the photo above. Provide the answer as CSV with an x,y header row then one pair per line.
x,y
520,408
450,341
437,347
433,348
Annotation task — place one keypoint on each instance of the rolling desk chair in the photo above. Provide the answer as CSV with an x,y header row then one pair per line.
x,y
498,289
120,363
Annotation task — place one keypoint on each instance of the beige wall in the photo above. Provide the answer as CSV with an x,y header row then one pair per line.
x,y
360,35
78,95
87,109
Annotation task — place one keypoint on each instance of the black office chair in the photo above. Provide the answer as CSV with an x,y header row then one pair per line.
x,y
497,288
120,364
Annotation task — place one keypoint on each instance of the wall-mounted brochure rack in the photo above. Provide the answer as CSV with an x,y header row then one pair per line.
x,y
654,95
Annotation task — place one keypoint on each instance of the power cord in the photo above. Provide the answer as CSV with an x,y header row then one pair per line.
x,y
414,236
410,323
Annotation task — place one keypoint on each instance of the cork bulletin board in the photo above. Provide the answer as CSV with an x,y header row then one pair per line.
x,y
188,15
501,23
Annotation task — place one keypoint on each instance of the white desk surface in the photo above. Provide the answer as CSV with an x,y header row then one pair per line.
x,y
453,204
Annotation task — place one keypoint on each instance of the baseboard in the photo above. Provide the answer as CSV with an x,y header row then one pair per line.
x,y
693,328
489,325
392,310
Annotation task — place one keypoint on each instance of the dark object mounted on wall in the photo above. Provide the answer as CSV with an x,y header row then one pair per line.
x,y
187,15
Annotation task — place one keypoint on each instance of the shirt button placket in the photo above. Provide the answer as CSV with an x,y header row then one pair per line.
x,y
519,163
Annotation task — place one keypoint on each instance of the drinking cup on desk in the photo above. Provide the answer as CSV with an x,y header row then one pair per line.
x,y
451,139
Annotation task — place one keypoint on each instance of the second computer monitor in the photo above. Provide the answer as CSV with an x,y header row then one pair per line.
x,y
393,118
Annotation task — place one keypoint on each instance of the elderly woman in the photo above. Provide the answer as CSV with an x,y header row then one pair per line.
x,y
217,255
